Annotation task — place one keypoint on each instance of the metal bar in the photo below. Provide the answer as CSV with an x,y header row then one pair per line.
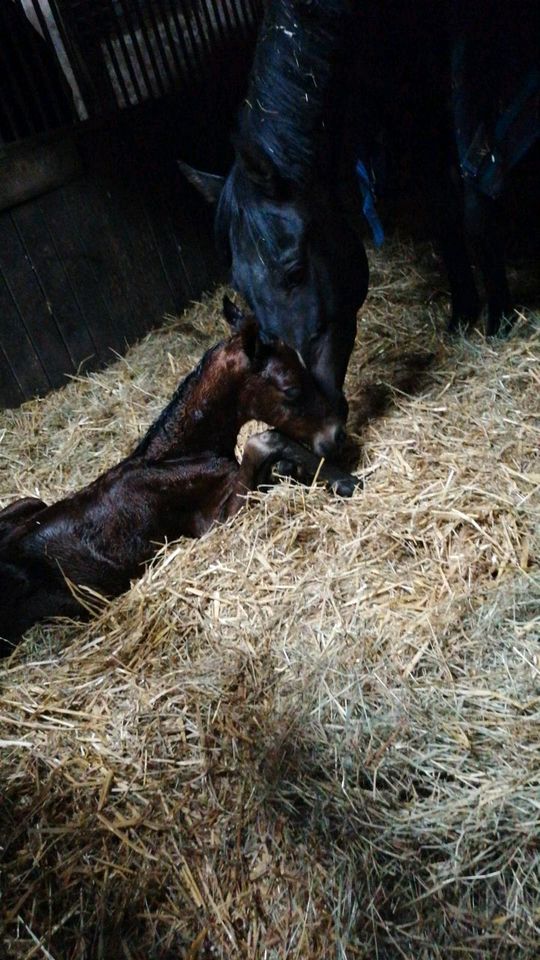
x,y
223,7
250,13
196,60
53,93
239,20
164,16
119,36
16,85
204,38
213,28
136,46
162,53
83,76
149,30
114,62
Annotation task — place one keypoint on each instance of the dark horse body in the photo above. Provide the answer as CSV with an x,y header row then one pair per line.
x,y
326,79
181,478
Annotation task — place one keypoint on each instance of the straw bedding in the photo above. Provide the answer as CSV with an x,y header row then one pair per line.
x,y
313,733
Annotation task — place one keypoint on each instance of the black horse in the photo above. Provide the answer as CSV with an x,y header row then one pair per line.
x,y
294,256
456,82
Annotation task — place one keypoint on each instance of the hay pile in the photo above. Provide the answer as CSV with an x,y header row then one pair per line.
x,y
315,732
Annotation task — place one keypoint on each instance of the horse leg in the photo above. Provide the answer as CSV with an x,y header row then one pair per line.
x,y
15,513
446,210
485,236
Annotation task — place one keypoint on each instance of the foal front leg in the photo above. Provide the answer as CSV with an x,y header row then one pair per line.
x,y
300,464
270,453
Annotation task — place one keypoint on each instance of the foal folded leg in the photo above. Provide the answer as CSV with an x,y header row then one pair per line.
x,y
302,465
270,452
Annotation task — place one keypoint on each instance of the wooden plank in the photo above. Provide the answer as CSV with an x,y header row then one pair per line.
x,y
23,285
17,346
63,311
158,215
70,233
149,290
108,264
146,284
11,394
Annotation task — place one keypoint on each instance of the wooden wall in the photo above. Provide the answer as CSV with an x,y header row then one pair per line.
x,y
90,265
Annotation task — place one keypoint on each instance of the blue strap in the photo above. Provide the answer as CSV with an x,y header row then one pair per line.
x,y
515,132
368,206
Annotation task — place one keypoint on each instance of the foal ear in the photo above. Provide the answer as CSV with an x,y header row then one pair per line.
x,y
261,170
209,184
247,326
254,349
234,316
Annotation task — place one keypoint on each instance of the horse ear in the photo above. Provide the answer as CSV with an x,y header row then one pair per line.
x,y
209,184
261,170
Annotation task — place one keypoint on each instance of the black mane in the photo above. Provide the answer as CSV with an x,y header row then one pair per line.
x,y
288,115
238,208
177,400
292,82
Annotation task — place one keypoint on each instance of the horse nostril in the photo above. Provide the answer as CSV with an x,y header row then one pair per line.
x,y
343,409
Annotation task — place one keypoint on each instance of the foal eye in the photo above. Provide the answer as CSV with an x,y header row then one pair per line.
x,y
293,393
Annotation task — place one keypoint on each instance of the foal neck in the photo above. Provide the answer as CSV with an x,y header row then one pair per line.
x,y
203,414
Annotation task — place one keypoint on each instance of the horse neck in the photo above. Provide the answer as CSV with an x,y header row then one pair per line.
x,y
289,108
204,413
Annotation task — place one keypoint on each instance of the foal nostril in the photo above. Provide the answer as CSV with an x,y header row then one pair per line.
x,y
329,440
340,438
325,448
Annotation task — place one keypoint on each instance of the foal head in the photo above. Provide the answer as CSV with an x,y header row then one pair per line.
x,y
280,390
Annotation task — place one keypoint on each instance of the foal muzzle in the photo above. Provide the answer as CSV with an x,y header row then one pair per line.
x,y
329,440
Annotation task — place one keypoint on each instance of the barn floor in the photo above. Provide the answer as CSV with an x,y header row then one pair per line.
x,y
315,732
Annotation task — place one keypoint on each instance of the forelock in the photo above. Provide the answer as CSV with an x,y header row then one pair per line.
x,y
276,235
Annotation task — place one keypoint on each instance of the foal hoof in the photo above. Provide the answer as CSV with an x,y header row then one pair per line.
x,y
345,486
284,469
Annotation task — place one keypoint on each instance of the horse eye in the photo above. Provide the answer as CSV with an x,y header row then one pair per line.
x,y
293,393
294,277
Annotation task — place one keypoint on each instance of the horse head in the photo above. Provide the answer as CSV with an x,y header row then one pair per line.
x,y
279,390
294,258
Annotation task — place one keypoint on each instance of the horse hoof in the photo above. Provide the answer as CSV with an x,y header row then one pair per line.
x,y
459,326
500,324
